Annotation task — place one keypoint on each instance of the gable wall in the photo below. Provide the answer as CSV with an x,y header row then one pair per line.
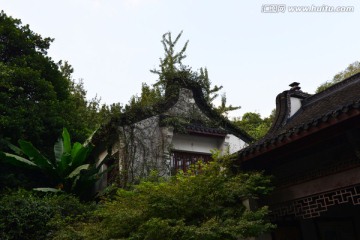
x,y
145,145
186,106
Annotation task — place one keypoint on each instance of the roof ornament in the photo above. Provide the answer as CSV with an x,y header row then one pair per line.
x,y
295,86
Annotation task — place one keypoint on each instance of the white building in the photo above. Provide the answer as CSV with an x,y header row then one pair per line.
x,y
167,137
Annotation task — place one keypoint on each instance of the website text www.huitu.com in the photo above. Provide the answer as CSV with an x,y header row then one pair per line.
x,y
282,8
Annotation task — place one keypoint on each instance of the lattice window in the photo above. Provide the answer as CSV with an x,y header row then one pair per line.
x,y
313,206
183,160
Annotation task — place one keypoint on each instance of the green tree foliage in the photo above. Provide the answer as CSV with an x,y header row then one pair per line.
x,y
223,108
31,85
210,93
149,96
68,171
38,97
86,115
254,125
28,215
171,66
188,206
352,69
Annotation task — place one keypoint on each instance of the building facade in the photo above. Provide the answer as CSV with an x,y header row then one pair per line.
x,y
313,153
168,137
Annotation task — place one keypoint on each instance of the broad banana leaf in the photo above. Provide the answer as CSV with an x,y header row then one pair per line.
x,y
47,189
16,150
65,165
81,156
59,150
36,157
67,141
17,160
77,171
75,149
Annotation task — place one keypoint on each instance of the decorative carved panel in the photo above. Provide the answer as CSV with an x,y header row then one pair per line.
x,y
313,206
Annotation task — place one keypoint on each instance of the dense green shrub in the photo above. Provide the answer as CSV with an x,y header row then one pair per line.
x,y
188,206
28,215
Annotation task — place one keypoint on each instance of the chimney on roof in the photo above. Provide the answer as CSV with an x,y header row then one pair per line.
x,y
295,98
295,86
288,103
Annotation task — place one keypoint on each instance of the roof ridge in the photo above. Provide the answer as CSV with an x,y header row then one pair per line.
x,y
294,130
171,98
337,86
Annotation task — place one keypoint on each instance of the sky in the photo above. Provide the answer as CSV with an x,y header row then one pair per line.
x,y
248,48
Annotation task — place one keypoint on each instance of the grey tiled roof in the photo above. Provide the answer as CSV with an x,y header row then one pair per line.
x,y
201,129
322,107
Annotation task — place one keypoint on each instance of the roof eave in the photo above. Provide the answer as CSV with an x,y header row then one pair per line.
x,y
295,135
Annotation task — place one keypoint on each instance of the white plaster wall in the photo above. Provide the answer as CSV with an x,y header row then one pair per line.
x,y
193,143
295,105
232,143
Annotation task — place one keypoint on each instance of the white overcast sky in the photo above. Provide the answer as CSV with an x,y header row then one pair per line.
x,y
112,44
